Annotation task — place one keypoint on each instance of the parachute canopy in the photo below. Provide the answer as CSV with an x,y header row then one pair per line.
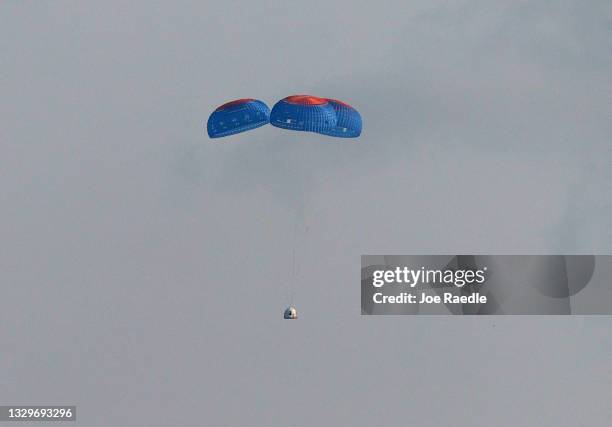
x,y
237,116
348,121
306,113
303,113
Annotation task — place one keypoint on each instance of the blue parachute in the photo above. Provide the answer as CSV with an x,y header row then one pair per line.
x,y
237,116
348,121
306,113
303,113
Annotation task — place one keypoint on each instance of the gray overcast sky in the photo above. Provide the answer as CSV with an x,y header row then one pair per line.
x,y
144,268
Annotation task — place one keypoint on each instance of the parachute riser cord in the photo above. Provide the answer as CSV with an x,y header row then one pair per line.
x,y
293,269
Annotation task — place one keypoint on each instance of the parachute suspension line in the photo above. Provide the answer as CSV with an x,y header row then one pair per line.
x,y
293,270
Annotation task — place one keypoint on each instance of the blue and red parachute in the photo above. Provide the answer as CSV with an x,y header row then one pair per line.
x,y
237,116
305,113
